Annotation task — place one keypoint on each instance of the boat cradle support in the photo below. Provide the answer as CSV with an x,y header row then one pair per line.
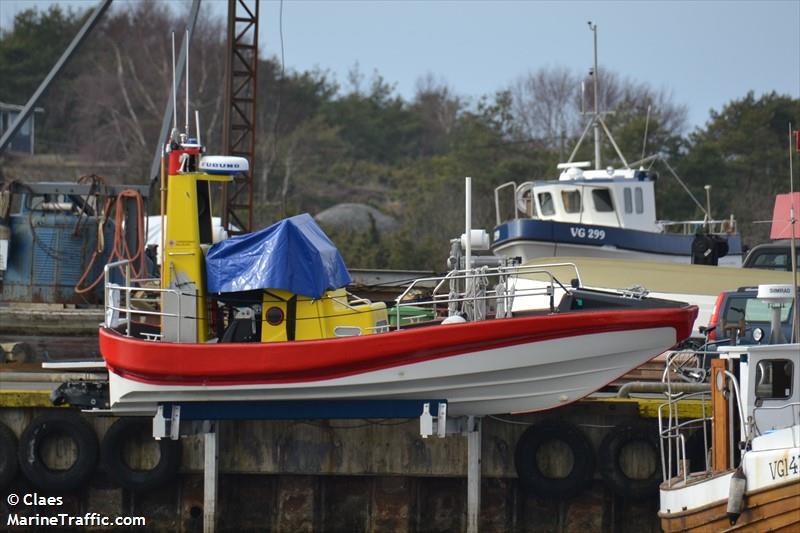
x,y
202,418
169,416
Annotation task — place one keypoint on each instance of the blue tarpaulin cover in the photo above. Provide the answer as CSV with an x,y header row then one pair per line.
x,y
293,254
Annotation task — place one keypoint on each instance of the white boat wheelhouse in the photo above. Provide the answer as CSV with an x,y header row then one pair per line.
x,y
620,198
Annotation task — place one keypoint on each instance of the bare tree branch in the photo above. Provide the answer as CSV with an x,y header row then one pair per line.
x,y
121,79
142,90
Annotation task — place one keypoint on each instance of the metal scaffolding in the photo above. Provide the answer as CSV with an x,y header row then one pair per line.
x,y
239,128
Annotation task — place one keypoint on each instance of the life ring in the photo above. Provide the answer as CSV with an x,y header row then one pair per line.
x,y
112,453
58,423
530,474
611,467
8,455
523,196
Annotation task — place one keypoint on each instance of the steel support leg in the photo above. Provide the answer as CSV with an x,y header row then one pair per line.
x,y
210,475
473,473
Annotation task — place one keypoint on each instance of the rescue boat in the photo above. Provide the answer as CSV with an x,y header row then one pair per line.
x,y
266,317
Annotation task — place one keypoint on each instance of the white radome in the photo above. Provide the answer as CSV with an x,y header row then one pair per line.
x,y
223,164
775,293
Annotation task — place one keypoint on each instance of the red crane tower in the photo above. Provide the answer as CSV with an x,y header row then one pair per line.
x,y
239,122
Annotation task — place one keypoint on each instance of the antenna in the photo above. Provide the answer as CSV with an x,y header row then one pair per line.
x,y
597,117
793,243
583,97
197,125
174,88
597,162
646,124
187,82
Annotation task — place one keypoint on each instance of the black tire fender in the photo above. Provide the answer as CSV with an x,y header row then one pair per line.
x,y
58,422
112,449
530,475
611,466
8,455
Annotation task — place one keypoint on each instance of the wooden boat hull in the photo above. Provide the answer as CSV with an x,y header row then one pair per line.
x,y
496,366
775,508
772,476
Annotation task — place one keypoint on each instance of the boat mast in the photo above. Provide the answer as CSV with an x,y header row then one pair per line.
x,y
174,91
597,162
597,120
186,38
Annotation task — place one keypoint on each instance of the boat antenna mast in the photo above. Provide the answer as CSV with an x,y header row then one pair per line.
x,y
177,136
598,163
596,121
795,336
174,133
186,40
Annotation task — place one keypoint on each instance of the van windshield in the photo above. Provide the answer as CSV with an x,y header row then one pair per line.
x,y
772,260
752,310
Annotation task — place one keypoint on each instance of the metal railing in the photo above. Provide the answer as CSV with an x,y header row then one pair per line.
x,y
464,289
673,436
691,227
124,293
671,430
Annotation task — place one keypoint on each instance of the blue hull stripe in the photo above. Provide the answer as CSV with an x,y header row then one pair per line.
x,y
550,231
302,409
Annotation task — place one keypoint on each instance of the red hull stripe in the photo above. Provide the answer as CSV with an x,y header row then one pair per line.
x,y
314,360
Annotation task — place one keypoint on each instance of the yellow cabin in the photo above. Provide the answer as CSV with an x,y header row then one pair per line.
x,y
287,316
188,234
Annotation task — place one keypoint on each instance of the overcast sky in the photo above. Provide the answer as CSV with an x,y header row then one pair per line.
x,y
705,52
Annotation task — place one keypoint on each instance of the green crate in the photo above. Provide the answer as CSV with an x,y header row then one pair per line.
x,y
409,315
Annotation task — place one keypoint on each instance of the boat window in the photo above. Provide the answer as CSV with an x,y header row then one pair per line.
x,y
546,203
774,379
602,200
572,201
639,201
628,200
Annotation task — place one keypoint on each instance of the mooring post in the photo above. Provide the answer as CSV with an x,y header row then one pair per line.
x,y
210,464
473,473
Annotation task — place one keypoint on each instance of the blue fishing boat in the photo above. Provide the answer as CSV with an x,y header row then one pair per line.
x,y
606,212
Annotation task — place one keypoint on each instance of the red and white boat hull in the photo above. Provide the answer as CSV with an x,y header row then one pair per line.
x,y
499,366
